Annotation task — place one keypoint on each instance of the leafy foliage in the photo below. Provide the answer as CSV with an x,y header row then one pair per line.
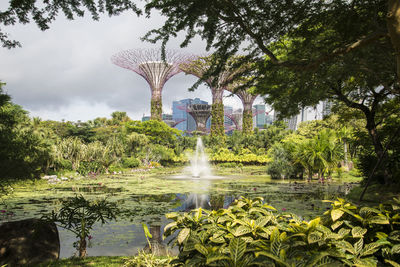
x,y
252,233
78,215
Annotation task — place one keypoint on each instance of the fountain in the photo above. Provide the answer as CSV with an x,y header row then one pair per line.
x,y
199,166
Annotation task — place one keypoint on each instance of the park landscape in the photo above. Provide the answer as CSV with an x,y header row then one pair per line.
x,y
121,192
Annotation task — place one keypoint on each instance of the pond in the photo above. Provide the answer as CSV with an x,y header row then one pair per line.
x,y
148,196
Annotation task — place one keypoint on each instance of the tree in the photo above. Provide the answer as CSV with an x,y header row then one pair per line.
x,y
226,25
119,117
23,153
157,132
45,13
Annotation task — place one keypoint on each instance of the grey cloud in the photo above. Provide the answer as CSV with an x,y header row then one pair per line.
x,y
70,65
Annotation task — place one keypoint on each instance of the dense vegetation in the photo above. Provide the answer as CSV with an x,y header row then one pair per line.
x,y
252,233
300,52
317,149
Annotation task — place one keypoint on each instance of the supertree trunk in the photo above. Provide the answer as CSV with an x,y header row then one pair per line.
x,y
217,113
247,99
156,104
247,127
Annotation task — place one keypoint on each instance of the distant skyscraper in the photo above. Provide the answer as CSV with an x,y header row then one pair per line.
x,y
228,111
167,118
259,118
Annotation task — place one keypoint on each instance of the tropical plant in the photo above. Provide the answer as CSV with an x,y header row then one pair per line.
x,y
251,233
78,215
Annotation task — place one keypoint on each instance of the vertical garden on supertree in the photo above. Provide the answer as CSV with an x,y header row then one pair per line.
x,y
247,97
154,68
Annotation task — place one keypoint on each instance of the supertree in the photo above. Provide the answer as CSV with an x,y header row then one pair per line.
x,y
247,97
200,114
156,70
200,67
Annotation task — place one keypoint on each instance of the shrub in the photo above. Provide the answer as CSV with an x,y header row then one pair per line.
x,y
251,233
86,167
130,162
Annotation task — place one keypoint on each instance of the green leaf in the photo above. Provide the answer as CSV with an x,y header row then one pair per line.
x,y
172,215
170,225
262,221
314,237
316,258
336,214
202,249
183,234
380,219
393,263
271,256
370,249
237,248
343,231
213,257
242,230
259,210
346,246
314,223
365,262
219,240
357,232
336,225
146,231
395,249
358,246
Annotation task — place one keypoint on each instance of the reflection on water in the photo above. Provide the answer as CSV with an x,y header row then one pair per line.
x,y
126,237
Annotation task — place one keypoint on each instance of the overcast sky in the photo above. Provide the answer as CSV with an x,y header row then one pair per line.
x,y
66,72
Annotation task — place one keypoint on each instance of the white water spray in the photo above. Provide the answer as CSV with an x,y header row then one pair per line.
x,y
199,162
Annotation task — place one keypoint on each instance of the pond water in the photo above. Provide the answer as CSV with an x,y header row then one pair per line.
x,y
148,197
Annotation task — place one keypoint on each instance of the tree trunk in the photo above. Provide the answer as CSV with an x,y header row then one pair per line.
x,y
247,125
82,248
393,26
217,113
156,104
346,162
378,147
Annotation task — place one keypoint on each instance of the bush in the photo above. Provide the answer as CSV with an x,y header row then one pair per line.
x,y
251,233
130,162
86,167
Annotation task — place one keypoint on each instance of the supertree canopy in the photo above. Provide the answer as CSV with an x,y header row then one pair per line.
x,y
200,67
156,70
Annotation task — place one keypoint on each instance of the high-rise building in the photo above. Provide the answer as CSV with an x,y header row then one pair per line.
x,y
228,112
167,118
259,118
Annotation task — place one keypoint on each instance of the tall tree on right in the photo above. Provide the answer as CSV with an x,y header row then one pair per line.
x,y
305,51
